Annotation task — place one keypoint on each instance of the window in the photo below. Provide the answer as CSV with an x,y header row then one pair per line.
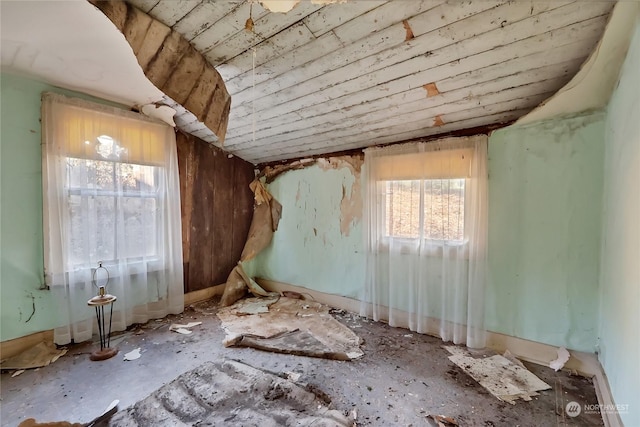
x,y
425,223
431,209
111,195
98,192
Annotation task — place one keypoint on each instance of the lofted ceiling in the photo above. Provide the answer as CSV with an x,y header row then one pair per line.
x,y
324,78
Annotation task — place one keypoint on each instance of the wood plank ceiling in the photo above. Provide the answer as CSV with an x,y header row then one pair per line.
x,y
335,77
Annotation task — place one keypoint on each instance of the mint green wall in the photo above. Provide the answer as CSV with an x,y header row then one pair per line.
x,y
545,189
620,279
21,244
309,249
545,194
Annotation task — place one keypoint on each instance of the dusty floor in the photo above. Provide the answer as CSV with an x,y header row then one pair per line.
x,y
402,377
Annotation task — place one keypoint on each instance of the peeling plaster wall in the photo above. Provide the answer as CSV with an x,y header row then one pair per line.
x,y
24,307
545,187
318,244
545,198
620,279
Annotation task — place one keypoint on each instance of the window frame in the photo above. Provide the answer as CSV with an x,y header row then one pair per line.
x,y
86,192
431,246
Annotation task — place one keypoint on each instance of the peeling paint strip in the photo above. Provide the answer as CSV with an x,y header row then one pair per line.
x,y
407,27
437,122
432,89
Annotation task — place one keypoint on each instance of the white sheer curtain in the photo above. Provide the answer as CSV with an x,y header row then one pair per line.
x,y
112,195
426,225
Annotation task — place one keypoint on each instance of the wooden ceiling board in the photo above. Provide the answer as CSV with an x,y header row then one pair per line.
x,y
335,77
394,93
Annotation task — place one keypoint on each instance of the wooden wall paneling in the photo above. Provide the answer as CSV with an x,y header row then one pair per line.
x,y
217,208
200,268
222,218
186,166
242,205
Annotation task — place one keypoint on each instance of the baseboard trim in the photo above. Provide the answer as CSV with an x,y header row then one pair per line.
x,y
16,346
605,398
202,294
585,364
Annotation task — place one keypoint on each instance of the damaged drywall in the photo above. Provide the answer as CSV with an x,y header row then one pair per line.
x,y
506,380
319,241
351,202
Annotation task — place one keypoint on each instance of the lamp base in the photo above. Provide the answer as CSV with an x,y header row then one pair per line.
x,y
104,354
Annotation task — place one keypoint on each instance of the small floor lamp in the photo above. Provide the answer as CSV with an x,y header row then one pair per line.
x,y
99,302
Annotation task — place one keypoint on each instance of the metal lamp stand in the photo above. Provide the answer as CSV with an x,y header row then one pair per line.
x,y
100,301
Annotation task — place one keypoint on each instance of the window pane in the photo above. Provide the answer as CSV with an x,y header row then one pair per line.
x,y
137,177
102,227
112,210
90,174
139,226
403,208
444,209
76,236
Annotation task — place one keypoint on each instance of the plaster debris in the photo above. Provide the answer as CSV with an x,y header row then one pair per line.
x,y
293,376
292,294
41,354
513,359
133,354
502,378
16,373
290,326
563,357
160,112
443,420
255,305
232,393
183,329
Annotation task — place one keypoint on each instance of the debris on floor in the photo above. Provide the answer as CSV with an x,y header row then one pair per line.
x,y
507,354
502,378
443,421
183,329
133,354
98,421
31,422
231,393
290,326
18,372
39,355
256,305
563,357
